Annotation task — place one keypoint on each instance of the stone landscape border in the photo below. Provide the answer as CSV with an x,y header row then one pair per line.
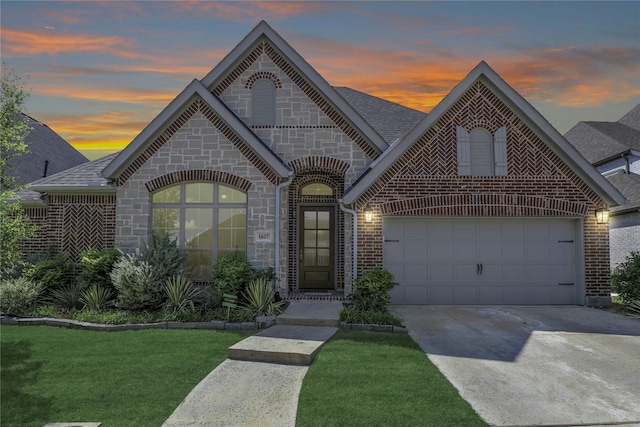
x,y
260,323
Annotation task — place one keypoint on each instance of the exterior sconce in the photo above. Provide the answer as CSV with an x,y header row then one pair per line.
x,y
602,216
368,215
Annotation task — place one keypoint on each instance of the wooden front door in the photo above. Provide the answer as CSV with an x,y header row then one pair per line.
x,y
316,247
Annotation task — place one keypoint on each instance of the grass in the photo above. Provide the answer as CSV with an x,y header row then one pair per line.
x,y
137,378
131,378
376,379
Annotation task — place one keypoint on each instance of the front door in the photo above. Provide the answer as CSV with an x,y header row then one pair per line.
x,y
316,247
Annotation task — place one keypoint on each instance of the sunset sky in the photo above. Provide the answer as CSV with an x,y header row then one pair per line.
x,y
100,71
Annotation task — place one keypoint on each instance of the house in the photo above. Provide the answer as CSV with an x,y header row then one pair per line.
x,y
614,149
48,153
481,201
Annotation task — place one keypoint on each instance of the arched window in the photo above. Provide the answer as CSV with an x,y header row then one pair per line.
x,y
480,153
317,189
263,98
207,219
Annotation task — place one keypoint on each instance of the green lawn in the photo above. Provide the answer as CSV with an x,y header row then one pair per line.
x,y
379,379
137,378
132,378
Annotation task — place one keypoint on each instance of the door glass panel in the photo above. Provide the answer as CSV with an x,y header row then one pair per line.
x,y
323,238
310,238
309,257
323,220
309,220
323,257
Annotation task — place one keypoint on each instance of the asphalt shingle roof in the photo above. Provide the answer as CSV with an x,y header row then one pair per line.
x,y
598,141
392,121
84,175
627,183
44,145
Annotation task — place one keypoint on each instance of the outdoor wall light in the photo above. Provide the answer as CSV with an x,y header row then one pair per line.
x,y
602,215
368,215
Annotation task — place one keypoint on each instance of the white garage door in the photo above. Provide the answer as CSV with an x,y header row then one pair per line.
x,y
481,261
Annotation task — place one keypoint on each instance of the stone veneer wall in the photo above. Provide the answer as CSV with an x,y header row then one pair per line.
x,y
624,236
424,182
197,145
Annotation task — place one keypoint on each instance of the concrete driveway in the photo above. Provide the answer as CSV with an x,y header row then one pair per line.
x,y
528,366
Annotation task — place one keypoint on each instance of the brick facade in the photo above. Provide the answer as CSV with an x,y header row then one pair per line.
x,y
424,182
71,223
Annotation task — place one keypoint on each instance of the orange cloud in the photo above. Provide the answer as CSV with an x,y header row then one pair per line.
x,y
243,11
25,43
102,93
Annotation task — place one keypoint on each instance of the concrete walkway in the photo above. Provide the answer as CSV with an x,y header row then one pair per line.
x,y
259,384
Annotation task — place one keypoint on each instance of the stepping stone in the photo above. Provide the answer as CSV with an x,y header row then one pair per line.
x,y
283,344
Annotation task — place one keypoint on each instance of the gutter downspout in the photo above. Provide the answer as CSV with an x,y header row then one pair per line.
x,y
279,187
354,214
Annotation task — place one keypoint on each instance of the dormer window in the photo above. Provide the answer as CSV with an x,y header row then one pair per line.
x,y
263,103
480,153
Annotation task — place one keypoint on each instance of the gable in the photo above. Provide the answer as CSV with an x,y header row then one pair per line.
x,y
194,99
264,51
482,99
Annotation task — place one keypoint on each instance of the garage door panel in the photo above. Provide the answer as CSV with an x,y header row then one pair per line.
x,y
397,295
415,295
415,251
441,294
482,261
464,251
416,273
393,251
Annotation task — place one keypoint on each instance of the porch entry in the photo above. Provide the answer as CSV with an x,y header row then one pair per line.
x,y
316,247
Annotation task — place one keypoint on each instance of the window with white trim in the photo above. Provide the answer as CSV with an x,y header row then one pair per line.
x,y
480,153
207,219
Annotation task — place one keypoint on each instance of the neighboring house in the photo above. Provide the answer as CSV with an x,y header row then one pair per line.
x,y
479,202
47,154
614,149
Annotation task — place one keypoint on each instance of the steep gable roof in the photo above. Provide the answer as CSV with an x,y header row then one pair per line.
x,y
195,97
48,152
392,121
516,103
632,118
303,75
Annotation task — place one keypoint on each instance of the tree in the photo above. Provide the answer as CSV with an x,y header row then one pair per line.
x,y
14,128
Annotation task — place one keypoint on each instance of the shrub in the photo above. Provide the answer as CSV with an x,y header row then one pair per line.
x,y
259,299
53,272
352,315
231,274
372,290
12,270
138,285
234,315
625,279
97,297
18,296
139,277
66,297
96,266
180,294
113,317
47,311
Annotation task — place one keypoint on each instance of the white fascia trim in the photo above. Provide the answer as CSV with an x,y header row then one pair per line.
x,y
263,29
195,88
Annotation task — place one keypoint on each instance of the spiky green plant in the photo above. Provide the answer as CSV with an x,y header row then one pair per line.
x,y
259,298
180,294
96,298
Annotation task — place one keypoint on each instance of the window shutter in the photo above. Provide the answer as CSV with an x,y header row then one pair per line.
x,y
500,151
464,154
264,103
